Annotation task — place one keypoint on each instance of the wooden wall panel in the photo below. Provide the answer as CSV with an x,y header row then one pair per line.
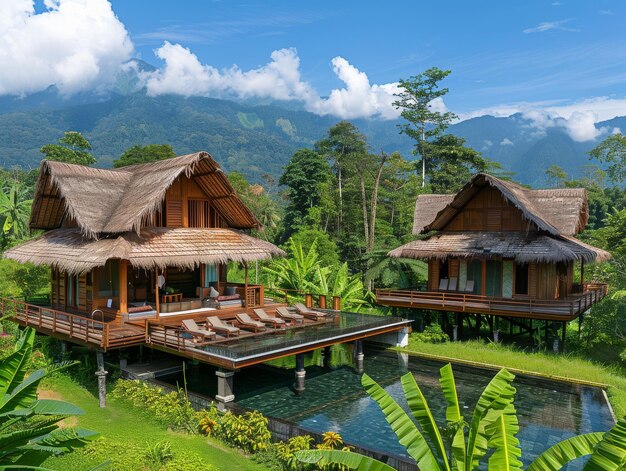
x,y
82,292
453,268
54,282
61,289
174,215
488,211
532,280
433,275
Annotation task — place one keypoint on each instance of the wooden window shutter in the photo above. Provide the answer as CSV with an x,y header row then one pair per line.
x,y
433,274
174,216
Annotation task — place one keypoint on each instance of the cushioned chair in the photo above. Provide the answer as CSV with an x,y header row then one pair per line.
x,y
309,313
199,335
287,315
267,319
246,322
219,326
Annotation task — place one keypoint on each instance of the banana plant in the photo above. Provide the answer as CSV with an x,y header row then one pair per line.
x,y
346,459
493,426
29,429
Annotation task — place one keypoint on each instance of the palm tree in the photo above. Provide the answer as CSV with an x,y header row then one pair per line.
x,y
493,426
15,207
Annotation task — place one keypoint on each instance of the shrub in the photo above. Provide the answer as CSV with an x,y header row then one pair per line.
x,y
158,454
286,450
247,431
432,334
172,409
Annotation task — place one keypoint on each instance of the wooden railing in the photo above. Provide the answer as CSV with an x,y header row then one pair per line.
x,y
50,320
463,302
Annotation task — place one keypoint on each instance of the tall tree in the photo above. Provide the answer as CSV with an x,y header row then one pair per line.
x,y
451,164
140,155
424,121
342,144
612,151
308,179
72,148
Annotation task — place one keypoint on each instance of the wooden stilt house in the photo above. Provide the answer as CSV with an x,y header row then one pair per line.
x,y
149,238
499,248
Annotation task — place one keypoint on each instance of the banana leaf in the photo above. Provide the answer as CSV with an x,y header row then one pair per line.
x,y
422,413
557,456
348,459
13,367
498,394
610,453
502,438
402,425
453,414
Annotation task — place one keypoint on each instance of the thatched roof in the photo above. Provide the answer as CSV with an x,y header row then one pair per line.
x,y
555,211
525,248
105,201
69,250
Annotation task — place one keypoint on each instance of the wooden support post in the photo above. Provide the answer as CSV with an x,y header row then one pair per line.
x,y
322,301
582,275
478,321
245,296
337,303
156,296
123,286
563,334
308,300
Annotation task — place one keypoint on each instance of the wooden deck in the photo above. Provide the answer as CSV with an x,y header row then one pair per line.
x,y
557,310
74,327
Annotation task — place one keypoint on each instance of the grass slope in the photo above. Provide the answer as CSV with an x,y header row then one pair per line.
x,y
119,423
543,364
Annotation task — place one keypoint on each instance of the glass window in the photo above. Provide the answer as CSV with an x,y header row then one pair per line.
x,y
109,279
521,278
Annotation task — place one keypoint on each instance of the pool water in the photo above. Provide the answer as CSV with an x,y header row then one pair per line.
x,y
334,399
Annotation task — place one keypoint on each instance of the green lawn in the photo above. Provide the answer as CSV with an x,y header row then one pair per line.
x,y
126,431
544,364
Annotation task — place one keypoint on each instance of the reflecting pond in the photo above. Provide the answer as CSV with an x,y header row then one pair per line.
x,y
334,399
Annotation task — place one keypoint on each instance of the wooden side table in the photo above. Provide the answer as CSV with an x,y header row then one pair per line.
x,y
172,298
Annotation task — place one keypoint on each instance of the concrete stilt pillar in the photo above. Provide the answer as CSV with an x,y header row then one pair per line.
x,y
359,356
101,373
327,357
300,374
455,332
496,336
224,388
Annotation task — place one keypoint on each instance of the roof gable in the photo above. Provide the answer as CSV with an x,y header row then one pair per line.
x,y
116,200
556,211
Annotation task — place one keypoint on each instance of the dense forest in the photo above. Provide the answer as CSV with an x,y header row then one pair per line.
x,y
339,205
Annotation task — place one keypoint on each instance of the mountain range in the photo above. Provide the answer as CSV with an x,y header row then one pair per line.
x,y
256,139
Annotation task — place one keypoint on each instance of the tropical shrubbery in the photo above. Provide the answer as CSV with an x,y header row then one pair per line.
x,y
248,431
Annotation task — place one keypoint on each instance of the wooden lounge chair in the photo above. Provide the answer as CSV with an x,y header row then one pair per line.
x,y
292,317
309,313
246,322
199,335
219,326
267,319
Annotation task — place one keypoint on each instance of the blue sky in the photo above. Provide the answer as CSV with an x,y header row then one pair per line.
x,y
500,52
552,58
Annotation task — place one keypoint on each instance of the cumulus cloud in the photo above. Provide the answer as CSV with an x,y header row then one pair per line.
x,y
279,79
579,125
74,44
506,142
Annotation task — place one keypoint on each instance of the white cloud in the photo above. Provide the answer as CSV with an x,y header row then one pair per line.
x,y
551,25
506,142
579,125
279,79
74,44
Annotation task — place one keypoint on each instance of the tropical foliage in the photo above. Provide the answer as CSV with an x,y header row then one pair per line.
x,y
15,203
72,148
492,427
29,427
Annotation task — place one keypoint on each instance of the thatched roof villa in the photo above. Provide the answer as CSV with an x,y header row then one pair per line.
x,y
139,240
498,248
